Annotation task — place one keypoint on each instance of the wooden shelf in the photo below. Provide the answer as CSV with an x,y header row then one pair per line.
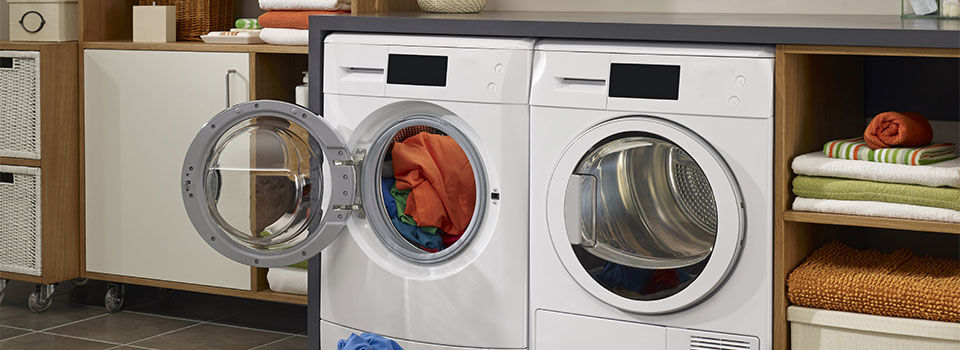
x,y
868,221
268,295
194,46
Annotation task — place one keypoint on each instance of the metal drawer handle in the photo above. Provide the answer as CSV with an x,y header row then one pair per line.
x,y
227,79
24,26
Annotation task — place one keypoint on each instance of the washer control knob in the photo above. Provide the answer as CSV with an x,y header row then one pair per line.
x,y
734,101
498,68
492,87
741,81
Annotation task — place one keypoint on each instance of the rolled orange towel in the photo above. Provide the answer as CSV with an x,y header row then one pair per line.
x,y
894,129
291,19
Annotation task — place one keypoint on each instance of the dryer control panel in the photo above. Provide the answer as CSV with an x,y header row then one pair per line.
x,y
716,80
494,70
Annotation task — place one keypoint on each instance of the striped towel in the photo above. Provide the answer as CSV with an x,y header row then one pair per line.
x,y
857,149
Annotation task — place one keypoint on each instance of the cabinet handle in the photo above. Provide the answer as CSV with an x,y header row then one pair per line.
x,y
227,79
24,26
6,178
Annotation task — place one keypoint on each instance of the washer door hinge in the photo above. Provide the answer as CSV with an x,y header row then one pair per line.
x,y
357,163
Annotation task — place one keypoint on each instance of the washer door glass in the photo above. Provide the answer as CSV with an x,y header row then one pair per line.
x,y
253,183
642,214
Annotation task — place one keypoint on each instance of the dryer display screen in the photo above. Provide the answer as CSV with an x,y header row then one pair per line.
x,y
417,70
650,81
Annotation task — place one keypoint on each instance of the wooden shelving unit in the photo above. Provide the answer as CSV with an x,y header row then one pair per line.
x,y
820,96
864,221
58,163
196,46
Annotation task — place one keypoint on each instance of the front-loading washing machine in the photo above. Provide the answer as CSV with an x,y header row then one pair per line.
x,y
651,196
440,121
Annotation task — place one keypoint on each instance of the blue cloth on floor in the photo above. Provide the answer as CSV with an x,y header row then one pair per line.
x,y
367,341
411,233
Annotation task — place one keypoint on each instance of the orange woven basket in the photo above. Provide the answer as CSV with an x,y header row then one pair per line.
x,y
199,17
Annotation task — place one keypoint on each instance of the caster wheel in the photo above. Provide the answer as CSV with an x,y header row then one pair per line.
x,y
80,282
37,302
113,299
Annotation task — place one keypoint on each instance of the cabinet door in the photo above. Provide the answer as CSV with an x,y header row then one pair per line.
x,y
141,111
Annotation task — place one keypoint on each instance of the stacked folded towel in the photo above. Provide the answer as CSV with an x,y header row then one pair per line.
x,y
286,21
892,171
897,284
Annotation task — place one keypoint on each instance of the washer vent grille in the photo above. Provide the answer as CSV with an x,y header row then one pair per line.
x,y
716,343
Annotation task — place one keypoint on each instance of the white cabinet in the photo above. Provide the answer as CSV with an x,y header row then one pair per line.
x,y
141,111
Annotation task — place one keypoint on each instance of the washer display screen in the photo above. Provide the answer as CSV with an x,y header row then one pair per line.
x,y
417,70
650,81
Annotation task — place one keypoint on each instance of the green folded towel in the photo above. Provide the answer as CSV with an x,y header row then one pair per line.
x,y
859,190
248,23
857,149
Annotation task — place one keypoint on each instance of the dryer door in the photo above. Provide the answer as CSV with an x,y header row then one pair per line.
x,y
268,183
645,215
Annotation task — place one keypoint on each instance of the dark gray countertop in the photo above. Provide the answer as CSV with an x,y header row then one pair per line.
x,y
730,28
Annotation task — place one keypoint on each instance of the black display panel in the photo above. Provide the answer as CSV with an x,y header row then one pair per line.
x,y
650,81
417,70
6,62
6,178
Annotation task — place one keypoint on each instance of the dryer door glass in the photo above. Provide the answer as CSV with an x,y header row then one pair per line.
x,y
648,218
253,183
645,214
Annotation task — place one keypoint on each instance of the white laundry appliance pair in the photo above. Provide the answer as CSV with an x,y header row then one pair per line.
x,y
635,191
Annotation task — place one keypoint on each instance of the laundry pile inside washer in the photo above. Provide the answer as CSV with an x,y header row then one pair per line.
x,y
428,188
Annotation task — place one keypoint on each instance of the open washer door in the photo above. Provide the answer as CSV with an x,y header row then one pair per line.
x,y
268,183
645,215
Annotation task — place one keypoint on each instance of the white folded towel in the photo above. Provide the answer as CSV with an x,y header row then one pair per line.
x,y
305,4
876,209
946,173
285,36
287,280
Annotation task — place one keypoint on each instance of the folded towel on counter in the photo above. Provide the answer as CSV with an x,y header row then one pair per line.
x,y
876,209
857,149
859,190
305,4
898,284
287,280
285,36
946,173
247,23
291,19
892,129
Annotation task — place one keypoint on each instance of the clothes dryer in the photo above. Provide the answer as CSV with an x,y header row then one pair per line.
x,y
651,196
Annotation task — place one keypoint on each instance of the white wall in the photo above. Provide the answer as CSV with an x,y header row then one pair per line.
x,y
861,7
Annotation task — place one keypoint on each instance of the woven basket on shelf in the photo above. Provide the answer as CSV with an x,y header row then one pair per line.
x,y
199,17
452,6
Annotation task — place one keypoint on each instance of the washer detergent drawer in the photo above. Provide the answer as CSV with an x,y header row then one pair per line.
x,y
560,331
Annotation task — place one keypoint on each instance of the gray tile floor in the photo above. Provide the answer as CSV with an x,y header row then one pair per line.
x,y
150,320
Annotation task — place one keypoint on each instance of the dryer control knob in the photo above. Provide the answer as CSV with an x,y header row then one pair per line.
x,y
741,81
498,68
492,87
734,101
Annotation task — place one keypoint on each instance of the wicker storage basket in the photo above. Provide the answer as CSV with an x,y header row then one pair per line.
x,y
20,241
20,104
199,17
452,6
